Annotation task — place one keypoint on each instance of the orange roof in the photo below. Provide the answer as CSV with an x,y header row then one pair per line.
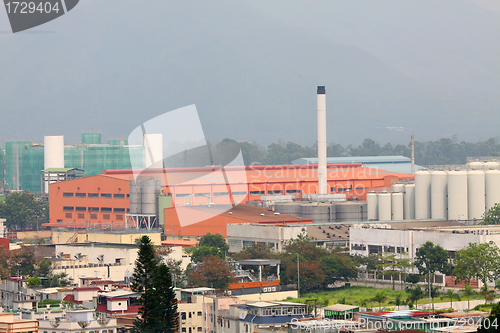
x,y
179,242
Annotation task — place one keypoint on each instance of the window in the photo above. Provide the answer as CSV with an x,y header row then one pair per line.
x,y
81,215
199,329
292,191
93,209
189,314
106,209
81,195
204,195
221,194
119,217
68,194
93,216
93,195
183,330
81,209
234,242
257,193
248,243
239,194
106,216
68,208
68,215
106,195
119,210
119,196
183,315
274,192
199,313
182,195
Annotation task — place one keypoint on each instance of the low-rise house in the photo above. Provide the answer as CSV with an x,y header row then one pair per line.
x,y
82,321
10,324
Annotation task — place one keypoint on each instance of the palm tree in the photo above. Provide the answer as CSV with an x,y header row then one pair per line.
x,y
415,295
489,295
450,293
468,291
379,298
398,300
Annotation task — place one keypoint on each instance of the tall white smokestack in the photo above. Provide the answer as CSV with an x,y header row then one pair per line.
x,y
322,183
53,154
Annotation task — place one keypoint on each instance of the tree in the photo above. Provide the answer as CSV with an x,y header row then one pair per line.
x,y
21,210
379,298
338,266
211,272
162,304
430,259
397,300
468,291
33,281
415,294
255,251
492,216
153,280
210,245
389,266
450,293
5,262
477,260
490,324
59,280
24,261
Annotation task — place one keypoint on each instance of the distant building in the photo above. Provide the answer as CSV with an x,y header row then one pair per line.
x,y
9,324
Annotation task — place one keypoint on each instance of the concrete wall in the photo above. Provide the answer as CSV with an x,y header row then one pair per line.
x,y
278,296
61,237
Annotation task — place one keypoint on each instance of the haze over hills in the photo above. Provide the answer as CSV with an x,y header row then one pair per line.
x,y
252,67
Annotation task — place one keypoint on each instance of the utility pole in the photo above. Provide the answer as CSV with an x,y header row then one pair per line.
x,y
298,276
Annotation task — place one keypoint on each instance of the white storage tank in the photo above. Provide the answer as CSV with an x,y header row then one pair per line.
x,y
439,195
384,206
397,206
476,193
492,188
475,165
153,152
409,202
53,151
457,195
491,166
398,187
371,200
422,195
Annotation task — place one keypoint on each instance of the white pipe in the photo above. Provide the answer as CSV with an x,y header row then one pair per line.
x,y
322,181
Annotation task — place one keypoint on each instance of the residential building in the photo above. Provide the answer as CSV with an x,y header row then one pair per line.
x,y
79,321
10,324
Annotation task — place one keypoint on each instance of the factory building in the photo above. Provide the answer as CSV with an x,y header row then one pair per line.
x,y
21,162
107,199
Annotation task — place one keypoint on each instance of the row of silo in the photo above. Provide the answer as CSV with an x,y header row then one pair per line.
x,y
485,166
143,195
386,206
456,194
325,212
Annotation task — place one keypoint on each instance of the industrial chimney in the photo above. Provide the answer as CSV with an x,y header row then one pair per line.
x,y
322,183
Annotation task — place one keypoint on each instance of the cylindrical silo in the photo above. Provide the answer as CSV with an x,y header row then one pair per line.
x,y
397,206
372,202
135,196
475,165
398,187
384,206
492,182
149,189
409,202
457,195
422,195
290,208
53,150
476,191
491,166
439,195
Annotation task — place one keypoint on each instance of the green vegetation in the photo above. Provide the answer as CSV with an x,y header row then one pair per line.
x,y
159,305
492,216
492,322
22,211
477,261
209,245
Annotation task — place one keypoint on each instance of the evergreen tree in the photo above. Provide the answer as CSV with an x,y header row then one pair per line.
x,y
159,306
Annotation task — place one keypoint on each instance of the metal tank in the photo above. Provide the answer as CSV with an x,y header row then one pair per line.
x,y
384,206
135,196
397,206
351,211
150,188
398,187
409,202
492,188
372,206
439,195
290,208
476,194
457,195
422,195
491,165
319,212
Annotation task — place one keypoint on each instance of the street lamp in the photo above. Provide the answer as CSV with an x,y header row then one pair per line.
x,y
298,276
